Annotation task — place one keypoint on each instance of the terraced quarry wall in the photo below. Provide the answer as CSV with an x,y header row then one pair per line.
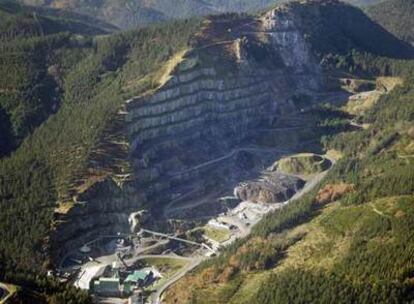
x,y
185,136
198,117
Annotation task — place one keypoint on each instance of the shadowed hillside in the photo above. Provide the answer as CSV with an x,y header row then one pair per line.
x,y
336,28
397,16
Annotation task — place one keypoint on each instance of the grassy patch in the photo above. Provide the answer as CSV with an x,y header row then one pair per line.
x,y
304,164
217,234
64,207
342,220
404,146
335,154
167,267
360,103
389,83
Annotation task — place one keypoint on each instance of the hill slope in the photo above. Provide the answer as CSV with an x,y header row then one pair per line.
x,y
396,16
94,76
37,50
60,87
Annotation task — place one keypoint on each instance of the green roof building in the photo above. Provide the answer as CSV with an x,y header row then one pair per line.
x,y
138,278
107,286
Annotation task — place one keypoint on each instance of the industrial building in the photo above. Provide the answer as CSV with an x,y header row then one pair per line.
x,y
115,286
110,287
138,278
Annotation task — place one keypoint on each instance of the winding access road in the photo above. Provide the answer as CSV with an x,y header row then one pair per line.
x,y
5,293
230,155
178,239
311,184
157,296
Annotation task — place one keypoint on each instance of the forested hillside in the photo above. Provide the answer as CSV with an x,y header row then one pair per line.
x,y
37,51
396,16
374,262
61,92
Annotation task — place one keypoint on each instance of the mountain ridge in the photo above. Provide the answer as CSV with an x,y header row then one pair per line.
x,y
132,13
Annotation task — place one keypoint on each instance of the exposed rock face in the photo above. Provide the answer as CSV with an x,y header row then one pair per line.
x,y
137,220
188,134
285,37
202,114
196,118
273,188
104,209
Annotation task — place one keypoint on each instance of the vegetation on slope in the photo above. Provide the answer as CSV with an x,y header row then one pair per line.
x,y
49,162
36,53
396,16
370,252
303,164
20,20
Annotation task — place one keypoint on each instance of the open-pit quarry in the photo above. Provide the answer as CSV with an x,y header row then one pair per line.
x,y
204,152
